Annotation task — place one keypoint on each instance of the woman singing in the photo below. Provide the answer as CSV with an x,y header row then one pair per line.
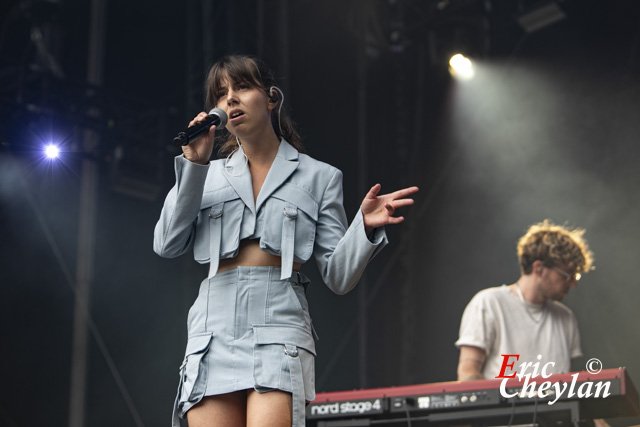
x,y
256,215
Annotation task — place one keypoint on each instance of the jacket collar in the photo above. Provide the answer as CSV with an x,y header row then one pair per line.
x,y
284,164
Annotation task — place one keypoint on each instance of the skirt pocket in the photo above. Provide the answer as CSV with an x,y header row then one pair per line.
x,y
284,359
193,373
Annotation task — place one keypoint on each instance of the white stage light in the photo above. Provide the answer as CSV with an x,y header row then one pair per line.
x,y
461,66
52,151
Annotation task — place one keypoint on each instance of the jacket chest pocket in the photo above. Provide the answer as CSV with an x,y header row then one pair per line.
x,y
218,228
290,227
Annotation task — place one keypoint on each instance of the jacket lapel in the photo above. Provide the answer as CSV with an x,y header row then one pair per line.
x,y
238,175
283,165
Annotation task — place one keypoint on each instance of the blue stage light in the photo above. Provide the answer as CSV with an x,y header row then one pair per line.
x,y
52,151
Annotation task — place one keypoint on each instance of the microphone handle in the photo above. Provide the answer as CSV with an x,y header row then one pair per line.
x,y
189,134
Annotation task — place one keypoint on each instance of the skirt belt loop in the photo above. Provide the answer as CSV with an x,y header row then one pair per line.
x,y
297,386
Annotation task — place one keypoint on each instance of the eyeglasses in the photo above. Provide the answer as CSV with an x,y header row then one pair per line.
x,y
568,277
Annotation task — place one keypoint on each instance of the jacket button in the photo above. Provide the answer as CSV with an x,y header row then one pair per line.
x,y
293,351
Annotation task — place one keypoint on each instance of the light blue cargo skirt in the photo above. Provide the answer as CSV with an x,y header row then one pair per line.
x,y
248,329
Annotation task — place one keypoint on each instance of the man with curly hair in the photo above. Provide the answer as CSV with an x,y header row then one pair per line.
x,y
527,317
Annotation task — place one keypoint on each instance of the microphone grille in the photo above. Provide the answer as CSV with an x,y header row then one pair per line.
x,y
220,113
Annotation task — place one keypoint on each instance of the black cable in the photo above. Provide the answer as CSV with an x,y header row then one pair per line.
x,y
406,410
513,412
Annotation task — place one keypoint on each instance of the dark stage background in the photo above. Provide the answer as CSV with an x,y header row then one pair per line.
x,y
548,128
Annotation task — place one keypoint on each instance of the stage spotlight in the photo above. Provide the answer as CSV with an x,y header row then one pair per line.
x,y
461,66
52,151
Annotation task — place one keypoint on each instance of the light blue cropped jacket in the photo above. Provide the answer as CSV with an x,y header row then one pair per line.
x,y
298,214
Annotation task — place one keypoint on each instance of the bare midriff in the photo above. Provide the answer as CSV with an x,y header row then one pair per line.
x,y
250,254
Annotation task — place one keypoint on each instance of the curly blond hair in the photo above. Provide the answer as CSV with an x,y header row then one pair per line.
x,y
554,245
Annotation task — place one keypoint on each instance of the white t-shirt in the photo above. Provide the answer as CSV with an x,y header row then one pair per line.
x,y
499,322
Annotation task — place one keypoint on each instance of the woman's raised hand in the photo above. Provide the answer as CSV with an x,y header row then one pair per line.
x,y
199,150
378,210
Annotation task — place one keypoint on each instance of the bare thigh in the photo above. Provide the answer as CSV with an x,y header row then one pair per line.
x,y
270,409
220,411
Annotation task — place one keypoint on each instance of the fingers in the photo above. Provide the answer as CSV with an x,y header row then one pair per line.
x,y
399,194
373,192
212,131
401,203
395,204
404,192
199,118
391,209
396,219
199,150
390,218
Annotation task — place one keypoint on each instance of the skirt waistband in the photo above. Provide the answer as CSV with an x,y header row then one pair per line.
x,y
256,273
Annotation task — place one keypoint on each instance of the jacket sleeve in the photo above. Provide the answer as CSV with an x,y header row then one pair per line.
x,y
175,231
342,253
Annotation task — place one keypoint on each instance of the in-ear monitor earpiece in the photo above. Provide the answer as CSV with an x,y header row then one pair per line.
x,y
277,96
273,94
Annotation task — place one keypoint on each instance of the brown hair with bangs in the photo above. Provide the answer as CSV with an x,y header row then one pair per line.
x,y
252,71
554,245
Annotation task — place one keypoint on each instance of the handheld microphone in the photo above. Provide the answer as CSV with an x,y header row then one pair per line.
x,y
216,117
